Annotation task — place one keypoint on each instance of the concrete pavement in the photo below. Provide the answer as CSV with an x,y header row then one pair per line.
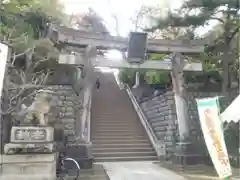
x,y
139,171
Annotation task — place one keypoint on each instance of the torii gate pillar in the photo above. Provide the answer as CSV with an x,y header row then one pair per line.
x,y
180,95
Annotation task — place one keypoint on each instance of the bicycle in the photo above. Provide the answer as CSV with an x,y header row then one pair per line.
x,y
62,171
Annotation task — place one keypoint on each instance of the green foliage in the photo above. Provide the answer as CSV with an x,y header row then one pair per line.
x,y
222,38
22,25
207,10
157,77
127,76
26,19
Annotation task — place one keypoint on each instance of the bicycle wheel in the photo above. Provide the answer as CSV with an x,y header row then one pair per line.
x,y
74,169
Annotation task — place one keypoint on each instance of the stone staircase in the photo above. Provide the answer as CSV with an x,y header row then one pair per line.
x,y
116,131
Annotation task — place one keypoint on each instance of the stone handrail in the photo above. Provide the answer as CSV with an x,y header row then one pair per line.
x,y
157,144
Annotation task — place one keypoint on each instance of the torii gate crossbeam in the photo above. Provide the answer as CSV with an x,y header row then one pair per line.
x,y
165,65
82,39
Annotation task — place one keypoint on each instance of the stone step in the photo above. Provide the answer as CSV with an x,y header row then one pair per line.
x,y
107,137
120,141
122,149
116,124
119,137
126,158
116,130
115,121
94,136
124,154
135,145
117,134
120,116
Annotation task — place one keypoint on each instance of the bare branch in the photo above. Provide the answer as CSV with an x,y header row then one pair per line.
x,y
22,76
10,110
218,19
21,54
40,61
234,33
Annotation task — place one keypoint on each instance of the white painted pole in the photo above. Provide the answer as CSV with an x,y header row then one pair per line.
x,y
3,61
136,80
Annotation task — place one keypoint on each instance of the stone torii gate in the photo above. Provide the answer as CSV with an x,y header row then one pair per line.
x,y
176,64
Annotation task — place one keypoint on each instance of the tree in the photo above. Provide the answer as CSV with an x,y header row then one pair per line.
x,y
196,13
33,58
144,17
90,21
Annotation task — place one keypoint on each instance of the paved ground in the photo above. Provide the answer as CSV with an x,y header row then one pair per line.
x,y
199,172
96,173
139,171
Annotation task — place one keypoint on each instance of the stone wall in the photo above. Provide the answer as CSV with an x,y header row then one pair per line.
x,y
161,113
69,109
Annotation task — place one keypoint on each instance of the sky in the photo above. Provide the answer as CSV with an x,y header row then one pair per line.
x,y
123,9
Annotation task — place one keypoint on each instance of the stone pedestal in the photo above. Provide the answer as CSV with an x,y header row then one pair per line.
x,y
30,155
28,167
187,154
29,139
82,153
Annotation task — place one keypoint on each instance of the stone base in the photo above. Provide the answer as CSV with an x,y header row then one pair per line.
x,y
28,167
23,148
186,154
82,153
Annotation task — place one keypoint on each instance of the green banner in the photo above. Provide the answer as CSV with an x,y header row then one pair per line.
x,y
208,110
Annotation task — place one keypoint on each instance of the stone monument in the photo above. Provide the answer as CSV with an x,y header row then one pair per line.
x,y
31,152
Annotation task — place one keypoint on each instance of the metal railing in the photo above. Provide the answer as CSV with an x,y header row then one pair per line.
x,y
158,145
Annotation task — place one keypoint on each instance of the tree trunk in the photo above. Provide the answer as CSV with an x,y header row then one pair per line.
x,y
226,85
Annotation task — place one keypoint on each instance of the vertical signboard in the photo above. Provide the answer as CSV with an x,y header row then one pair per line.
x,y
3,62
208,110
137,47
